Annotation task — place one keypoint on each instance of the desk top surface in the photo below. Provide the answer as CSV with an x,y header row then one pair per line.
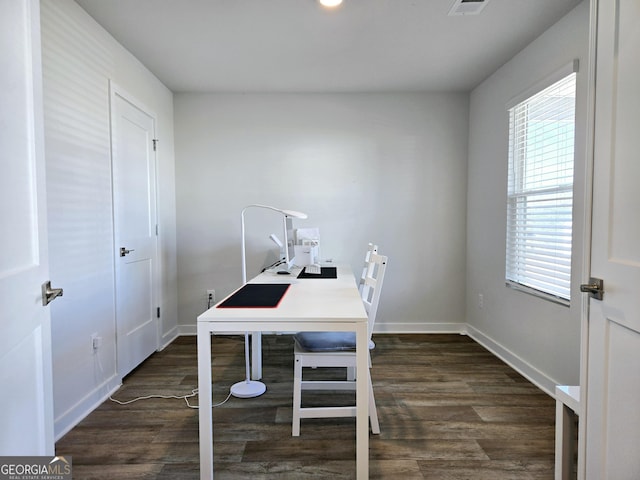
x,y
306,299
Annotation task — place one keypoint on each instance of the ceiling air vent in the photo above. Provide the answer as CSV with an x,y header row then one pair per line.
x,y
467,7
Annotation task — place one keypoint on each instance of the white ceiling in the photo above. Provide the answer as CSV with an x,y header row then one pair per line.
x,y
298,46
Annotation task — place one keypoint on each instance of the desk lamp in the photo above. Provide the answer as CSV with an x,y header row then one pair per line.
x,y
252,388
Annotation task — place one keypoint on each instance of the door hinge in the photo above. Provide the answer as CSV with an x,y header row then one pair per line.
x,y
158,312
156,229
155,144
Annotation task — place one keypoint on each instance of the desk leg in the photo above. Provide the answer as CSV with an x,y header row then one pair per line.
x,y
204,411
362,402
565,441
256,355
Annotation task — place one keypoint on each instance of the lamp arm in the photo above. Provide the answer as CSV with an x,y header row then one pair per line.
x,y
290,213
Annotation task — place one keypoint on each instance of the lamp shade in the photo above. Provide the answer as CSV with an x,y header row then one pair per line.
x,y
289,213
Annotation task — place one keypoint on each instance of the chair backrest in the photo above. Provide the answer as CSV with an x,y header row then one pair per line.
x,y
372,286
372,248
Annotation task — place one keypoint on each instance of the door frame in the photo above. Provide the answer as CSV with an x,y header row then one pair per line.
x,y
114,91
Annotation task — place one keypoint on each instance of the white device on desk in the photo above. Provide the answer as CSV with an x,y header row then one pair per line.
x,y
306,255
307,246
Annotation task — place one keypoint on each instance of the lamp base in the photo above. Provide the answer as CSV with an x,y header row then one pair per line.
x,y
248,389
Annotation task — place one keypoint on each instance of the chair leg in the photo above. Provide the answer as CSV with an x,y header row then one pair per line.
x,y
373,411
297,397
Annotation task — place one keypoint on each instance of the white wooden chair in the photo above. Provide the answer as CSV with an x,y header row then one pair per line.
x,y
337,349
371,248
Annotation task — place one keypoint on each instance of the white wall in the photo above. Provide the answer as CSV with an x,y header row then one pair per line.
x,y
539,337
387,168
79,59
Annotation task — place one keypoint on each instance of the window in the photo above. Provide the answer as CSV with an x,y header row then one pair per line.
x,y
540,191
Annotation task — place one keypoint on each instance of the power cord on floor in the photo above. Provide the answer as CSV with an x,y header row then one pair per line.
x,y
186,398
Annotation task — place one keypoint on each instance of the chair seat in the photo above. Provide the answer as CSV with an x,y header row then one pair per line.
x,y
326,341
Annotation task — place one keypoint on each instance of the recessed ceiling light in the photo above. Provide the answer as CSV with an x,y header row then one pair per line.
x,y
330,3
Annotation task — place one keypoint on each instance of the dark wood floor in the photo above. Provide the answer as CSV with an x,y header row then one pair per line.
x,y
448,409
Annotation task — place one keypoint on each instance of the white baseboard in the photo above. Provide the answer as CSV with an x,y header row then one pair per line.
x,y
69,419
185,330
531,373
168,337
420,327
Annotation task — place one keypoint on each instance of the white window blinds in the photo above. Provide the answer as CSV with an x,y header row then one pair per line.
x,y
540,190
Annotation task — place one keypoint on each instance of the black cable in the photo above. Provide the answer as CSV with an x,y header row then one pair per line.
x,y
274,264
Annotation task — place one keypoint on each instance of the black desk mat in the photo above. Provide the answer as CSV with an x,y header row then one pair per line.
x,y
325,272
257,295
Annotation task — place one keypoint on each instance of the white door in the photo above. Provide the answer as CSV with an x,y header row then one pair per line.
x,y
26,402
134,199
613,355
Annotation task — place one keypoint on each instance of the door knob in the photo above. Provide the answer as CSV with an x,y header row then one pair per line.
x,y
595,288
49,294
124,251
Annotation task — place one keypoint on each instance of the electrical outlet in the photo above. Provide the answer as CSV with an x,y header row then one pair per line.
x,y
96,342
480,300
211,295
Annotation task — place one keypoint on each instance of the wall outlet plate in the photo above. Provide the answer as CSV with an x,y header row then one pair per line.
x,y
96,342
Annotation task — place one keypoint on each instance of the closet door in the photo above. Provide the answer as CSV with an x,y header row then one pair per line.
x,y
135,230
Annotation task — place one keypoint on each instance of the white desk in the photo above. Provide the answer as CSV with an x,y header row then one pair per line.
x,y
309,305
